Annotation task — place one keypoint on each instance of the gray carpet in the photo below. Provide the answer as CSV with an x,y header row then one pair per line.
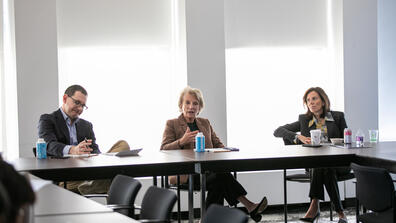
x,y
276,216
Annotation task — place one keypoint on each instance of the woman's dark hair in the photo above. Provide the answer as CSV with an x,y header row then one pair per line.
x,y
17,188
323,96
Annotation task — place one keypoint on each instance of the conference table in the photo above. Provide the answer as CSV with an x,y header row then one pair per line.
x,y
170,162
55,204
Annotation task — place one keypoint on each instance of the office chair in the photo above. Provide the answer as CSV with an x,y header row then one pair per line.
x,y
157,205
375,192
121,195
221,214
5,205
179,187
305,178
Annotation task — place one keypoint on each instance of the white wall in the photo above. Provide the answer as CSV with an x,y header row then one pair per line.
x,y
37,66
387,68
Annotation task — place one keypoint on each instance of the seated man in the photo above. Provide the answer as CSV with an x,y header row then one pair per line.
x,y
63,130
66,133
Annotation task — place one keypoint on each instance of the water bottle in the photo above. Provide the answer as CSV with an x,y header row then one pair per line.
x,y
347,136
200,142
41,149
359,138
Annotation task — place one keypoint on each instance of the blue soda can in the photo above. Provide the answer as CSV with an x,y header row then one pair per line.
x,y
41,149
200,142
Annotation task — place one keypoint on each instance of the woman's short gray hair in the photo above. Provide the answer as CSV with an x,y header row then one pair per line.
x,y
192,91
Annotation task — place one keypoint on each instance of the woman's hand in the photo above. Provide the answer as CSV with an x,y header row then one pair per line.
x,y
188,137
303,139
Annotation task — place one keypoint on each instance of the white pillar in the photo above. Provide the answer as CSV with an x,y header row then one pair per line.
x,y
361,64
37,66
206,58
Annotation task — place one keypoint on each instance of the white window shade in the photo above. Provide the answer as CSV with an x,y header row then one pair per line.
x,y
126,53
275,23
114,22
276,50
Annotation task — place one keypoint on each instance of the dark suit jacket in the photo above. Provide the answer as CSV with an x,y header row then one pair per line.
x,y
175,129
335,129
52,127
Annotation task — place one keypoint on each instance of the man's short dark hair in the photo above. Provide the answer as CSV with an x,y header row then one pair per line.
x,y
72,89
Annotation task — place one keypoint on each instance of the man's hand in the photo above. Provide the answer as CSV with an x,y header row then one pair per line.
x,y
188,137
81,148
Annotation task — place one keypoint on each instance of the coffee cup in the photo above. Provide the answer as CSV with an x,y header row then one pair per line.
x,y
315,136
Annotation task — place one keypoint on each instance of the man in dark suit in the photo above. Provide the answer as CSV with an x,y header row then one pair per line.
x,y
63,130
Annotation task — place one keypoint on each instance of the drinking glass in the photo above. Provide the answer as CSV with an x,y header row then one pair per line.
x,y
373,135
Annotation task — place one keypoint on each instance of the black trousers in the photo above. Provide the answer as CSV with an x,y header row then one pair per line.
x,y
328,178
220,186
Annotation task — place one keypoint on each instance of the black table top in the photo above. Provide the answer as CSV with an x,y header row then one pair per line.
x,y
104,166
170,162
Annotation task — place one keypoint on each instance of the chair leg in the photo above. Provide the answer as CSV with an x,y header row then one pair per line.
x,y
190,198
285,194
154,180
178,200
331,211
357,210
235,176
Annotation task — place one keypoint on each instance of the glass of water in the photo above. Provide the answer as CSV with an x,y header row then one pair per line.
x,y
373,135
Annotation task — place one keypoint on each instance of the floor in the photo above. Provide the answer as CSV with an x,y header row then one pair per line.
x,y
275,215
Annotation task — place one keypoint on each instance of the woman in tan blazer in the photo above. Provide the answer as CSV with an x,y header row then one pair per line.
x,y
180,134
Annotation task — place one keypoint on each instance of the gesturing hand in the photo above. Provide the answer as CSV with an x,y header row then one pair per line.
x,y
188,137
303,139
81,148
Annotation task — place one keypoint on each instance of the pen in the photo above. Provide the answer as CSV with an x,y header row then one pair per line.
x,y
86,140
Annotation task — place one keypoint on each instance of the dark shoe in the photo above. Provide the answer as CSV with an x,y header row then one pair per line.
x,y
260,207
256,213
256,217
310,219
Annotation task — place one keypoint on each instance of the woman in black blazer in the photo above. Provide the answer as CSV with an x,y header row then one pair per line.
x,y
332,125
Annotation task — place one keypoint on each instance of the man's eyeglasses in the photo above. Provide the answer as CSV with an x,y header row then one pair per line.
x,y
78,103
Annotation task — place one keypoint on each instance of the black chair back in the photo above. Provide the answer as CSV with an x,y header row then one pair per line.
x,y
221,214
5,205
123,191
374,188
157,204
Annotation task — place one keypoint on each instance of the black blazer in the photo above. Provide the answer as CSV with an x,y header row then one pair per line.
x,y
52,127
335,129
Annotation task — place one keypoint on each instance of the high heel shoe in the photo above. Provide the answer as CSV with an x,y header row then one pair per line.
x,y
260,207
311,219
256,213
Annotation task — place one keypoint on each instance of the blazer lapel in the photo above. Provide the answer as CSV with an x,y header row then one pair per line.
x,y
60,121
183,125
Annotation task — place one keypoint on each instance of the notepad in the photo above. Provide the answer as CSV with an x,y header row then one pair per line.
x,y
220,150
132,152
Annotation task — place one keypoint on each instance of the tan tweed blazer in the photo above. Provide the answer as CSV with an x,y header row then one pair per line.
x,y
175,129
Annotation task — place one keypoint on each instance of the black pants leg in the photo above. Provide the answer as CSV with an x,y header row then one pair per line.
x,y
222,186
328,178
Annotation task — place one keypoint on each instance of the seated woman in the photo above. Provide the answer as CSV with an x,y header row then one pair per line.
x,y
180,134
332,125
16,194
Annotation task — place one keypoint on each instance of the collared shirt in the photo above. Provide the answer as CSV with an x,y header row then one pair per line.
x,y
72,132
328,118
